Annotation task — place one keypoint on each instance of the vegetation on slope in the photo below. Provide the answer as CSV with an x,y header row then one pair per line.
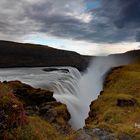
x,y
41,118
117,108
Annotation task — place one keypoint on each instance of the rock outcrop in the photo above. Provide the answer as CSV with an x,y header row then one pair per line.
x,y
126,102
22,105
30,95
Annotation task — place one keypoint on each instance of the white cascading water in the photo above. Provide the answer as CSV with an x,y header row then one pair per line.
x,y
65,85
69,87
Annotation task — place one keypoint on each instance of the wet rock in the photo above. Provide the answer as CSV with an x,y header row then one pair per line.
x,y
100,134
55,112
56,69
82,135
32,110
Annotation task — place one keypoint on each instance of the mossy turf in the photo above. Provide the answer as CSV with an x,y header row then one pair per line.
x,y
37,129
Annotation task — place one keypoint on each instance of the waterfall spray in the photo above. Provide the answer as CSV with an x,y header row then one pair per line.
x,y
89,86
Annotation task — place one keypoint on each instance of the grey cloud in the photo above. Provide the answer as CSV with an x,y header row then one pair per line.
x,y
138,36
113,21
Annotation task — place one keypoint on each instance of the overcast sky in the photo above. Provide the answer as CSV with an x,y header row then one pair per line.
x,y
86,26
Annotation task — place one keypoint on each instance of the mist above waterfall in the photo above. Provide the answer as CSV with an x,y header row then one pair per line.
x,y
91,83
77,92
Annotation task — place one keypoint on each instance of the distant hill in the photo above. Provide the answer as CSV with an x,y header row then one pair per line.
x,y
133,55
14,54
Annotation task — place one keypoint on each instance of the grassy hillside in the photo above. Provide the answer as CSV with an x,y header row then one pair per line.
x,y
14,54
117,108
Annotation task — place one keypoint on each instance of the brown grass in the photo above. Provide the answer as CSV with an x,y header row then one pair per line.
x,y
122,83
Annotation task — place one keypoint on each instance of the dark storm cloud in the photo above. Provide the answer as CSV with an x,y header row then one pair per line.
x,y
129,13
112,21
138,36
124,14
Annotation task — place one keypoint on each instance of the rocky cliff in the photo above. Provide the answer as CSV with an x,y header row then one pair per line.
x,y
116,112
31,114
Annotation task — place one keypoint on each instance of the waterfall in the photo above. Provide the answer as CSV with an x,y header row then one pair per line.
x,y
69,86
85,88
66,90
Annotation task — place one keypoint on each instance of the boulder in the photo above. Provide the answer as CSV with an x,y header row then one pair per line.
x,y
100,134
126,102
82,135
57,114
